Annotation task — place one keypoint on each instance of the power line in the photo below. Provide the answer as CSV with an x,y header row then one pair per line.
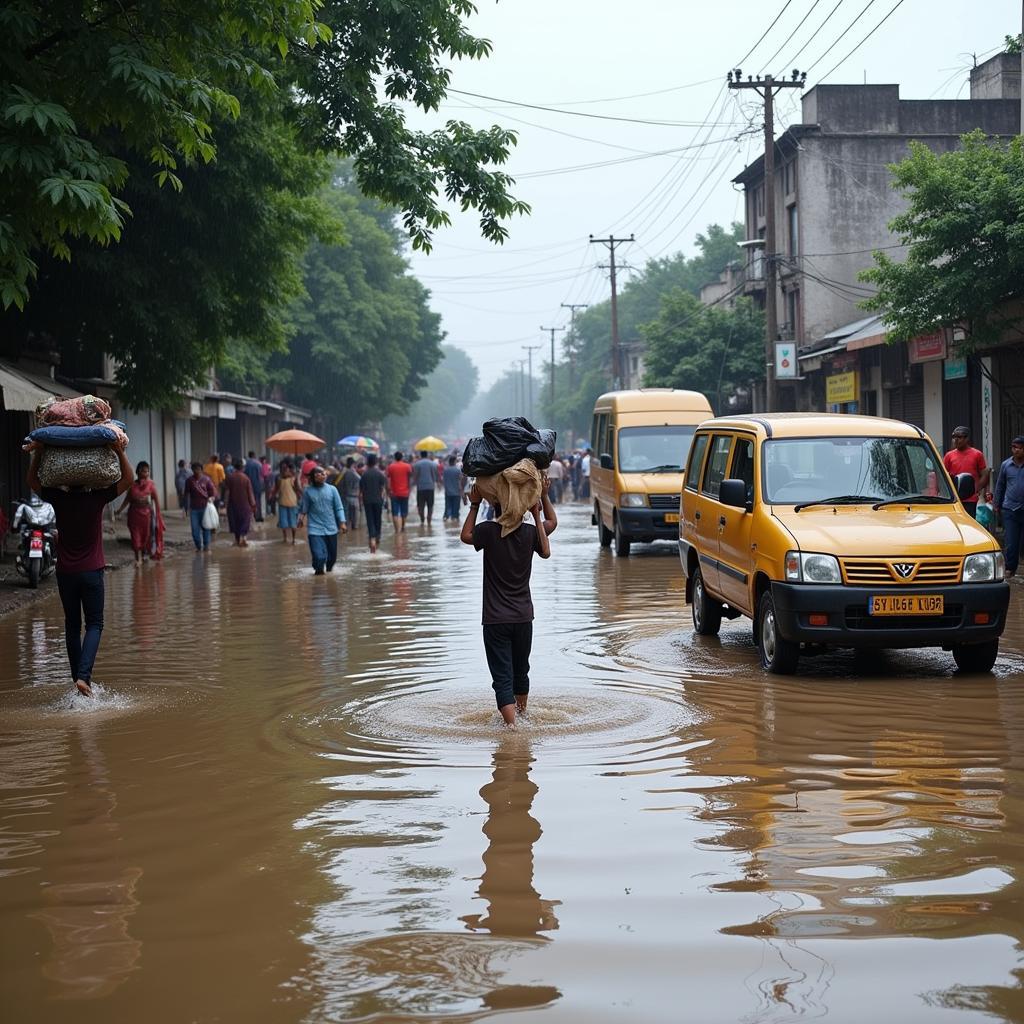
x,y
839,38
814,34
739,63
768,63
896,6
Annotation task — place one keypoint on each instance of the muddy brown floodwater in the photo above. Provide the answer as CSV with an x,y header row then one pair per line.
x,y
291,802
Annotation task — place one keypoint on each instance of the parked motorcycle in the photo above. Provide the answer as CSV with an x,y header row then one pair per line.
x,y
36,524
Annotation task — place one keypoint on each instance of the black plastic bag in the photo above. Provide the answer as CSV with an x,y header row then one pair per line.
x,y
504,443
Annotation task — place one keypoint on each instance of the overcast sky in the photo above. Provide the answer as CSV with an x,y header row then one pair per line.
x,y
662,61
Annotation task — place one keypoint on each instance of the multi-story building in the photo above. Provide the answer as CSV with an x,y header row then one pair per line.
x,y
833,203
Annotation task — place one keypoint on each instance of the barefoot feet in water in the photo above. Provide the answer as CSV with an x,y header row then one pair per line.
x,y
83,687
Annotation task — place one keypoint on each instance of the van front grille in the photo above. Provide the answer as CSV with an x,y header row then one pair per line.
x,y
901,571
664,501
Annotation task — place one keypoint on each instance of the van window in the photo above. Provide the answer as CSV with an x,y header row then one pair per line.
x,y
654,449
719,459
602,434
743,465
593,434
696,460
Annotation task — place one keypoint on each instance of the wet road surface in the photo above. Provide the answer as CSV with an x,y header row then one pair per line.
x,y
292,801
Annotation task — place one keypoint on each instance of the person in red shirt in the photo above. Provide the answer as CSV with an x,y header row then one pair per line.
x,y
399,474
308,465
80,560
962,458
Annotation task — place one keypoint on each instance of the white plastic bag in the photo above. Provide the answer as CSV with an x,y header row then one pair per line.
x,y
211,520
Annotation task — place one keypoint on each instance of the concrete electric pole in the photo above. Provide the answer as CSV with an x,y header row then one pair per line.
x,y
551,397
610,242
767,87
530,349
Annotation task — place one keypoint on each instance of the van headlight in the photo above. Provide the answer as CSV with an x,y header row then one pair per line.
x,y
809,567
983,568
628,500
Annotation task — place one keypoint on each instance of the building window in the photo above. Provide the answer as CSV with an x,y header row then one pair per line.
x,y
793,311
794,230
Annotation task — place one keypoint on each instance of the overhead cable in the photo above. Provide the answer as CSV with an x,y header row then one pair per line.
x,y
896,6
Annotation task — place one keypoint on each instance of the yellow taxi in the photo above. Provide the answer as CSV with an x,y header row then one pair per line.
x,y
640,439
836,531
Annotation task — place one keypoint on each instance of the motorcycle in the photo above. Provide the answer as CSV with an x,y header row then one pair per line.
x,y
36,523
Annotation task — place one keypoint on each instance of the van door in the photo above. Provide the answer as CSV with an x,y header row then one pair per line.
x,y
734,554
602,480
706,514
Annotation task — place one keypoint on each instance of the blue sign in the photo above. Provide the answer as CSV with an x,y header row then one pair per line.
x,y
955,369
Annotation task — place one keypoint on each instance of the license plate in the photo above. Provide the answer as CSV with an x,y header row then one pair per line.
x,y
906,604
36,553
671,517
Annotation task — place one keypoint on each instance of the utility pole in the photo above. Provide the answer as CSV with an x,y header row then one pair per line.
x,y
570,354
766,88
529,350
610,242
552,395
522,387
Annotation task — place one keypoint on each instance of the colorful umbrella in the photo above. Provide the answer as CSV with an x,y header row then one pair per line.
x,y
294,442
364,444
430,444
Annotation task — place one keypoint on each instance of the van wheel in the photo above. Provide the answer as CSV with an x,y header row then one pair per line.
x,y
778,655
604,535
976,658
621,543
707,613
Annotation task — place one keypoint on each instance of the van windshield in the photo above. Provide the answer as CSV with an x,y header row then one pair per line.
x,y
654,449
812,469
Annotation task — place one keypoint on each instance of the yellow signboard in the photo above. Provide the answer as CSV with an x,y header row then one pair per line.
x,y
842,387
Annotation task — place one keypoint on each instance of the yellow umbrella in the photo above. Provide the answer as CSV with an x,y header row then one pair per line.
x,y
430,444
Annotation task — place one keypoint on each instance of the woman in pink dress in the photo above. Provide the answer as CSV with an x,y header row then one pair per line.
x,y
143,510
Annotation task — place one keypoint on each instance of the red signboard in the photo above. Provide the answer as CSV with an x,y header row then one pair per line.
x,y
927,347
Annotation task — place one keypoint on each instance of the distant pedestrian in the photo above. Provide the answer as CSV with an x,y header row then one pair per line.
x,y
373,489
399,474
575,475
254,471
507,603
556,474
180,477
585,474
228,462
267,479
287,493
215,471
80,561
424,473
241,503
308,465
350,493
962,458
322,510
199,492
142,501
454,489
1009,500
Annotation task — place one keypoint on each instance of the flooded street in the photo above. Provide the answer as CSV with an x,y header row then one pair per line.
x,y
292,801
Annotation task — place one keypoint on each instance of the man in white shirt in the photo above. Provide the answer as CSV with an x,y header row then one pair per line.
x,y
585,473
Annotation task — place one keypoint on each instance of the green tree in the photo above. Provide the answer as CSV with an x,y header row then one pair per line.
x,y
964,227
711,349
448,391
94,94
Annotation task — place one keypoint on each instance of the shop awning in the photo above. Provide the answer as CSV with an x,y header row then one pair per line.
x,y
21,392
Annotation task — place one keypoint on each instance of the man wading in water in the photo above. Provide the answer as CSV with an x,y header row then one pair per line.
x,y
508,604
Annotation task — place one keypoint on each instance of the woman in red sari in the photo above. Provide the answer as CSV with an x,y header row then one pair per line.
x,y
143,511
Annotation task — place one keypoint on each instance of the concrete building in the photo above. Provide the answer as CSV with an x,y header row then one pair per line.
x,y
833,204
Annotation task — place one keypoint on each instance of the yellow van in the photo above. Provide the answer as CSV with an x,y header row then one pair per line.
x,y
836,531
640,440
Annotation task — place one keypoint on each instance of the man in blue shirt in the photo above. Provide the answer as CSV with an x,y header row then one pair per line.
x,y
321,507
1009,499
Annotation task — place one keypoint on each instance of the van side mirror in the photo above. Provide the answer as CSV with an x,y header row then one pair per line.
x,y
733,493
606,461
965,486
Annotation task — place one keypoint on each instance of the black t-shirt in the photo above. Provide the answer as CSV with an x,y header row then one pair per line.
x,y
371,485
507,565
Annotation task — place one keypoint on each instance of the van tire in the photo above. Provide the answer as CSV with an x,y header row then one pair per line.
x,y
976,658
778,655
604,535
621,543
706,612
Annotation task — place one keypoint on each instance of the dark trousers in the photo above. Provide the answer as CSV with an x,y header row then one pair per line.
x,y
1013,524
971,508
508,645
451,506
324,549
374,512
82,592
425,502
352,513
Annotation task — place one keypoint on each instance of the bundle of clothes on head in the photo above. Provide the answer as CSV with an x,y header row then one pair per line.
x,y
507,463
76,435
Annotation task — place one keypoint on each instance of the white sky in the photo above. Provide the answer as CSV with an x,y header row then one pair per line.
x,y
588,56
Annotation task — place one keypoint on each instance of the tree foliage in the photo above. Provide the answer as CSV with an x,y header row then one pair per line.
x,y
448,391
94,95
965,230
716,350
